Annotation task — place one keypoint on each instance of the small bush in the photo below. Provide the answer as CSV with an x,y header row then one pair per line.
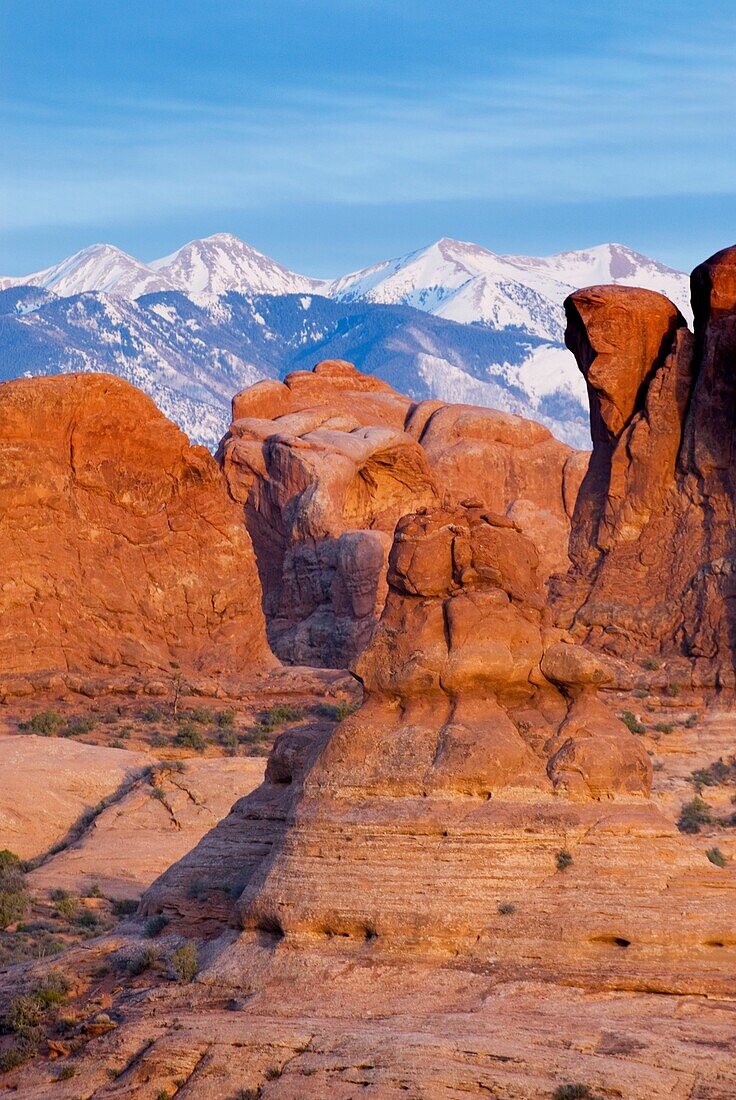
x,y
664,727
631,722
202,715
573,1092
693,815
94,891
716,856
67,907
651,664
189,737
66,1073
13,894
691,721
506,908
137,962
158,793
226,718
79,724
124,907
718,774
157,740
156,924
337,711
273,1072
279,715
47,723
185,962
88,919
229,741
151,714
563,859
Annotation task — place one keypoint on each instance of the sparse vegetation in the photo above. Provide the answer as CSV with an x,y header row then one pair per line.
x,y
25,1016
336,711
189,737
273,1072
631,722
13,893
574,1092
563,859
185,962
720,773
716,856
77,725
279,715
506,908
156,924
66,1073
664,727
651,665
124,907
694,815
46,723
672,690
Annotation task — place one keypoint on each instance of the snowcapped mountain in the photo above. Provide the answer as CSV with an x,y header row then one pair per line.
x,y
191,357
101,267
452,321
469,284
213,265
222,263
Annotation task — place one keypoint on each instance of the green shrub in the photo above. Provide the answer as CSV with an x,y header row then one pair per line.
x,y
156,924
226,718
632,722
124,907
664,727
204,716
337,711
506,908
229,740
137,962
66,1073
13,894
185,962
79,724
718,774
716,856
279,715
651,664
46,723
67,907
672,690
563,859
273,1072
158,793
94,891
189,737
693,815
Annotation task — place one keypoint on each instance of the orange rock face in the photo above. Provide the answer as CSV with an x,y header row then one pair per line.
x,y
327,462
119,546
653,546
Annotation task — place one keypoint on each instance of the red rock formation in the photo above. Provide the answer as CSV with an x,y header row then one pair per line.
x,y
653,546
324,465
119,546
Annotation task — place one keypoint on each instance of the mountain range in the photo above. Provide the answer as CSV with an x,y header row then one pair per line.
x,y
453,321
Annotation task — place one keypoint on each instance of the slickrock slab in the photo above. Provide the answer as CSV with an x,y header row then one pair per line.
x,y
48,783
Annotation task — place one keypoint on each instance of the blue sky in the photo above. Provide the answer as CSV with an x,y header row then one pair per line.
x,y
333,133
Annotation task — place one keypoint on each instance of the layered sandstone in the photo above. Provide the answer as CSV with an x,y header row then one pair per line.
x,y
120,548
653,546
325,464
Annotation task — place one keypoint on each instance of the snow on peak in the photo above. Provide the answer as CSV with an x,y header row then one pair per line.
x,y
222,263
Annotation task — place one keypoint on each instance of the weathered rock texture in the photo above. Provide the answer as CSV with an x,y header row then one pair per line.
x,y
327,462
119,545
653,546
